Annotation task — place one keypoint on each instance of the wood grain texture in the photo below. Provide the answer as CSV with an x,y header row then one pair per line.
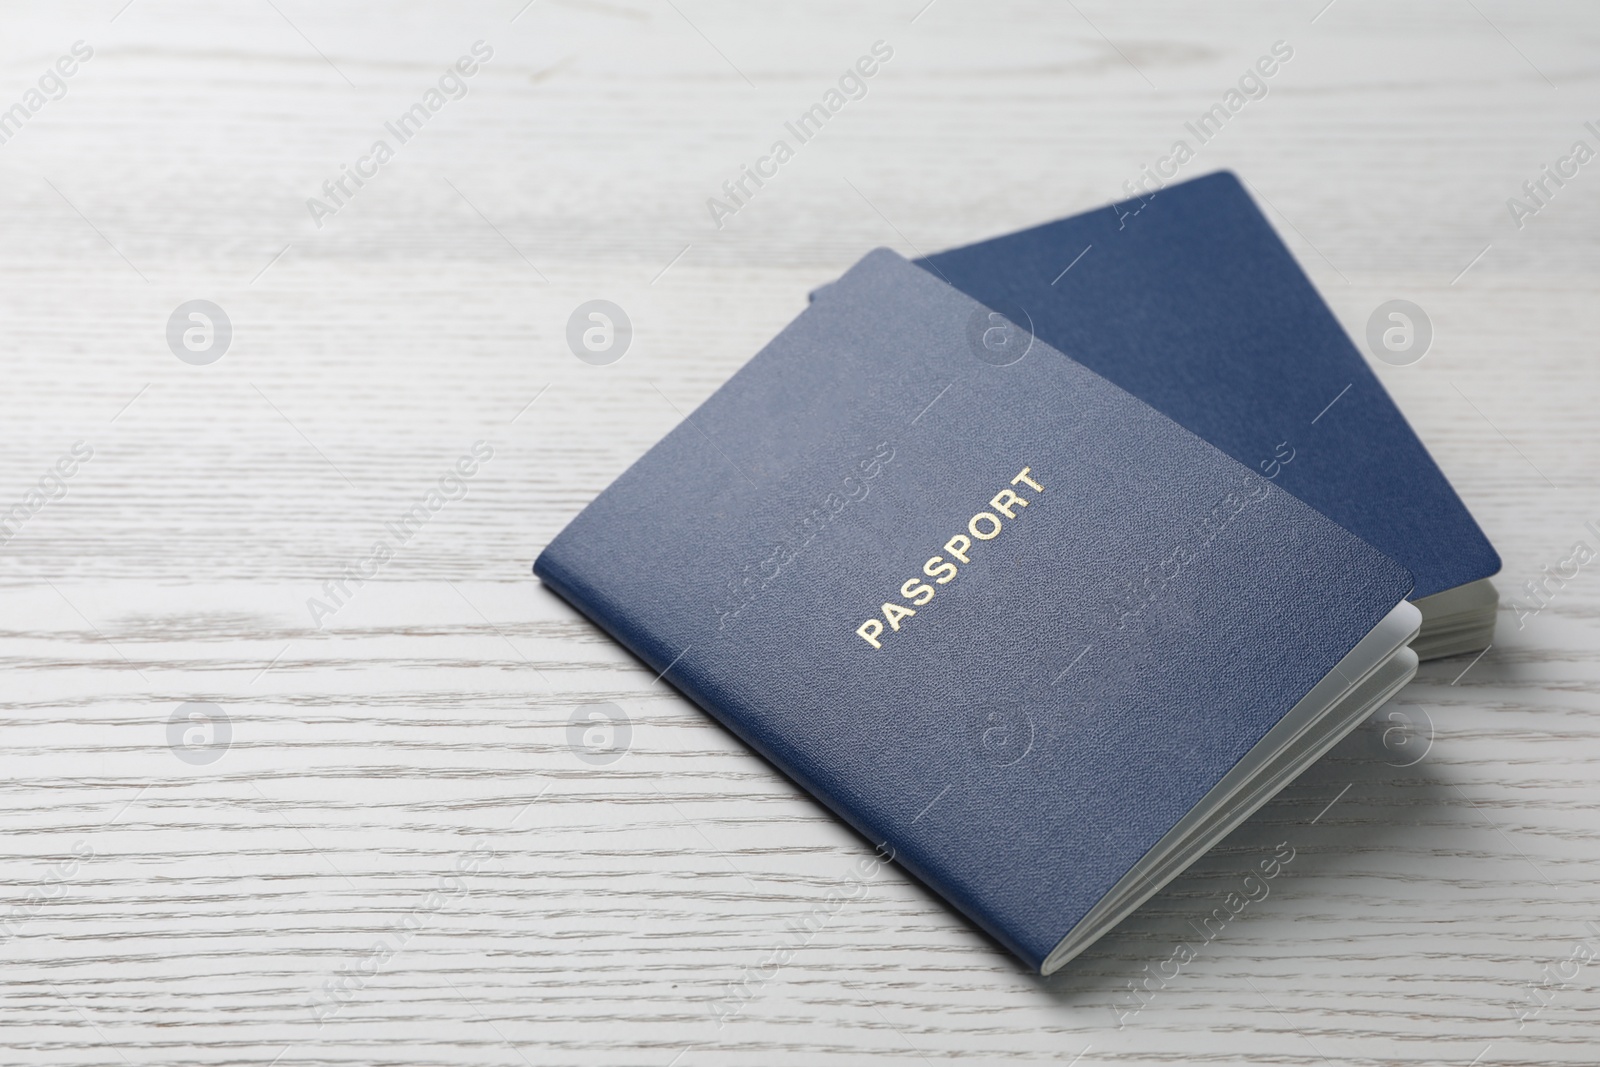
x,y
404,774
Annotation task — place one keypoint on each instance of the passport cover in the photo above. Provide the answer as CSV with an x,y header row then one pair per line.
x,y
1134,613
1189,300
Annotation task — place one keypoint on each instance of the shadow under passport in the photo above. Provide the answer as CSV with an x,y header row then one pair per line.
x,y
1367,796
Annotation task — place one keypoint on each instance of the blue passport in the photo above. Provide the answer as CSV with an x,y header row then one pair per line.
x,y
1023,632
1190,301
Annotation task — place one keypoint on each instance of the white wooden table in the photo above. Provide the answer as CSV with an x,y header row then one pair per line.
x,y
393,851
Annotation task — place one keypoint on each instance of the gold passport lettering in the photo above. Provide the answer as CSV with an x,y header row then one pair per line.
x,y
984,526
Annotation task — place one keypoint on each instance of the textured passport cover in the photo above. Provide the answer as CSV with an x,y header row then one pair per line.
x,y
1112,648
1190,302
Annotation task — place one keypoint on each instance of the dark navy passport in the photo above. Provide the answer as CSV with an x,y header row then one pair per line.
x,y
1008,621
1192,303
